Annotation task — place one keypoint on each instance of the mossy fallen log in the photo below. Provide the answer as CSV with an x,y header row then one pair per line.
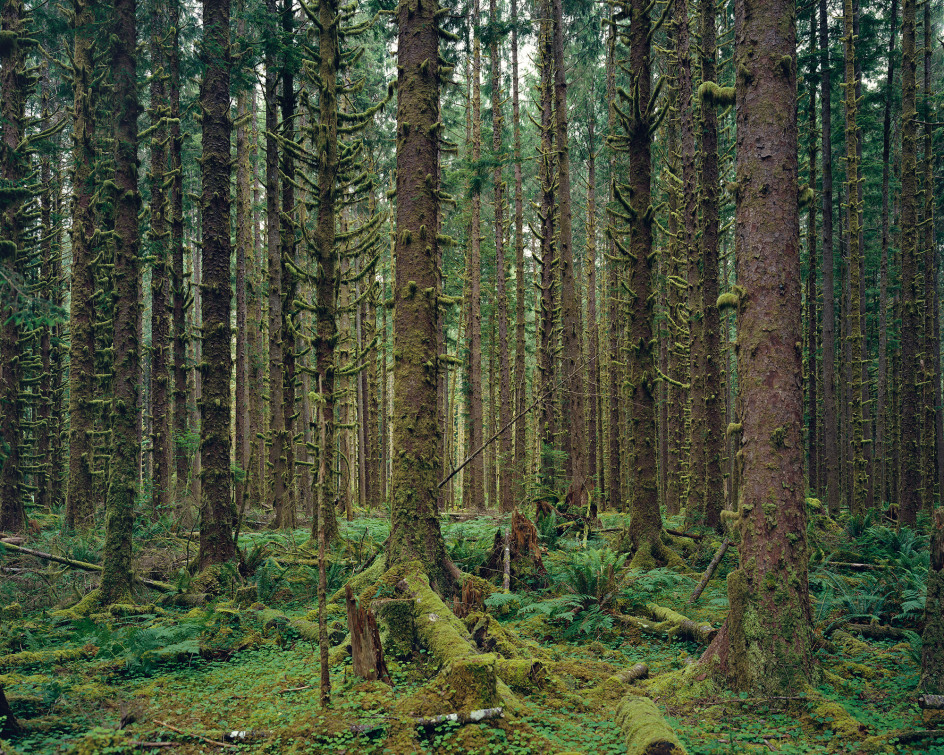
x,y
931,702
877,631
709,572
44,657
472,717
702,633
645,730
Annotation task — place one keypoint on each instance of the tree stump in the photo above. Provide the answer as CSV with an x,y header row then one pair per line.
x,y
366,650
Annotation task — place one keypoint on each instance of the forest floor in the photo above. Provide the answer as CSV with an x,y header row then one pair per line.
x,y
164,677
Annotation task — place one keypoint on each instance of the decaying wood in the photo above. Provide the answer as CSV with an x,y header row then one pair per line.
x,y
366,650
83,565
191,734
506,577
644,728
877,631
523,547
470,600
706,577
692,535
637,672
702,633
931,702
471,717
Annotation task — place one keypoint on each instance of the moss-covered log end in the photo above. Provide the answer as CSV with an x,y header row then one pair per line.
x,y
645,729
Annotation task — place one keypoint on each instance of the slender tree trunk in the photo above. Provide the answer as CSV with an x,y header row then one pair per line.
x,y
591,330
881,433
812,318
80,506
161,415
931,378
217,510
520,457
506,500
909,480
178,282
13,91
769,591
830,428
125,442
327,280
277,493
860,474
243,256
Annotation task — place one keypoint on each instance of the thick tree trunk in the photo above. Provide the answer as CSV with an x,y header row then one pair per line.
x,y
646,523
216,504
125,443
812,320
614,308
769,591
415,532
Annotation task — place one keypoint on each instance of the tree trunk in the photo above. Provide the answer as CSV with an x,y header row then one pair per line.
x,y
830,428
812,438
415,532
769,591
909,480
520,457
125,443
80,505
217,510
13,170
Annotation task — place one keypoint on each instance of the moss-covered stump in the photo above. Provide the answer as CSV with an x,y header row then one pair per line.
x,y
645,729
490,636
522,674
8,723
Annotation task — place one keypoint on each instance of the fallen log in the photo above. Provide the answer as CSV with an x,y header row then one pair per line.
x,y
637,672
692,535
877,631
645,730
472,717
706,577
702,633
83,565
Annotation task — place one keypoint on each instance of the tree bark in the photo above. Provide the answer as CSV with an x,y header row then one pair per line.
x,y
769,592
217,509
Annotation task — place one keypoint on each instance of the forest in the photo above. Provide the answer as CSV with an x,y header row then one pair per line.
x,y
533,377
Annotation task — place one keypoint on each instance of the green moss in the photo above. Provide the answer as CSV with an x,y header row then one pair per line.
x,y
644,729
43,657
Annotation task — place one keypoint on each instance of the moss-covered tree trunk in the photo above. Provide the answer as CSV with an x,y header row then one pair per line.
x,y
881,470
507,471
909,479
860,475
217,512
327,279
415,532
276,492
243,256
474,272
830,418
766,645
709,363
932,640
812,319
544,384
13,88
161,415
178,287
125,445
520,385
614,307
931,377
645,526
285,503
574,412
591,331
80,506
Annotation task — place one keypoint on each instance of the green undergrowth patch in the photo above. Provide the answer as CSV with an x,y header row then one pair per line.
x,y
247,659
